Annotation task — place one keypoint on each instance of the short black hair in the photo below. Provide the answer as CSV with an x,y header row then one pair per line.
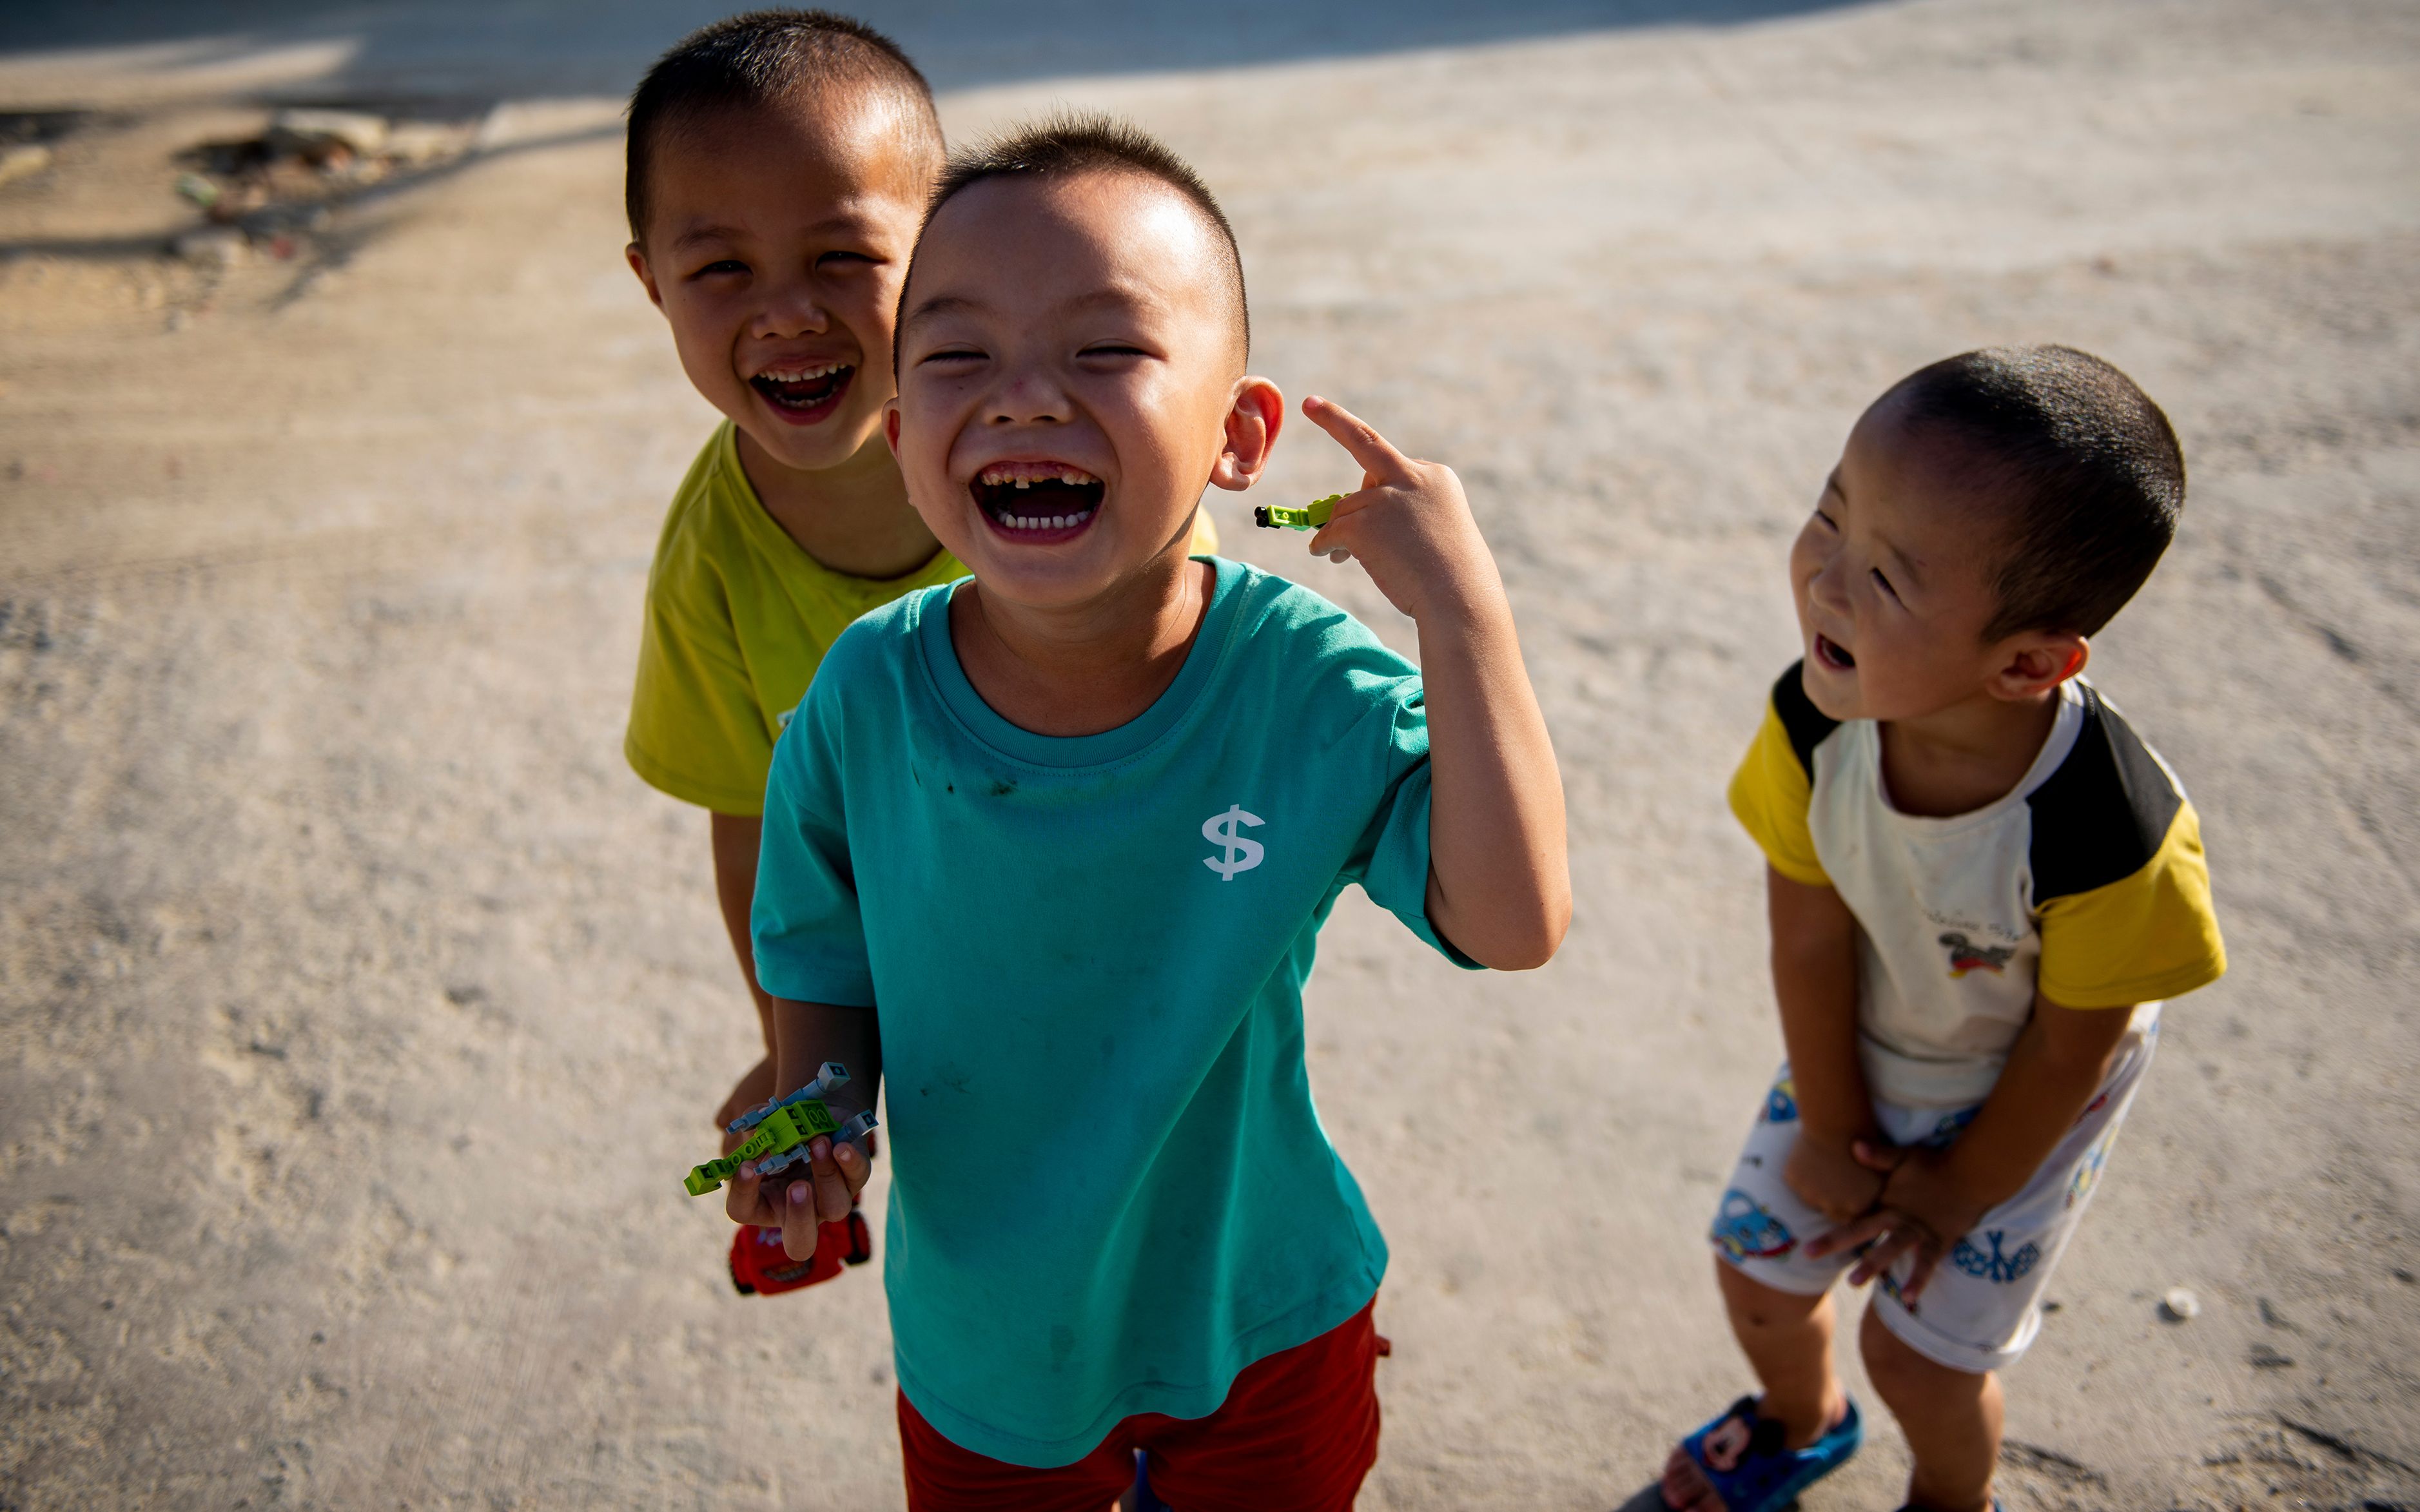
x,y
2086,466
1069,145
765,57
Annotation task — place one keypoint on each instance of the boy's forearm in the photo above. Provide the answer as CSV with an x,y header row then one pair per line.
x,y
2041,1092
1815,986
1500,873
808,1034
736,839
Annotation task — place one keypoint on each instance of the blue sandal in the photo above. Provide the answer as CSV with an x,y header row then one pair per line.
x,y
1741,1456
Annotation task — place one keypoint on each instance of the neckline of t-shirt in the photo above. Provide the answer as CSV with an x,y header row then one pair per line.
x,y
1070,753
759,522
2056,749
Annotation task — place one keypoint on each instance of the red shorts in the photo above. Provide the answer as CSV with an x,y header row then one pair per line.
x,y
1297,1433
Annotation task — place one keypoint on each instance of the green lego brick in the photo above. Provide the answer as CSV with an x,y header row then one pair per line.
x,y
1280,516
783,1128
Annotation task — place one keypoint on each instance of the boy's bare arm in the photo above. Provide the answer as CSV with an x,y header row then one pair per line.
x,y
806,1035
1935,1195
1499,878
1815,982
736,838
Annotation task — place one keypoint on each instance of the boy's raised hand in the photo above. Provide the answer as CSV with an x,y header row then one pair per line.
x,y
1408,525
1499,887
797,1204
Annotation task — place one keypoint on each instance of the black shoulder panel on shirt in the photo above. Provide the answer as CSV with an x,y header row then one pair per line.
x,y
1807,725
2103,815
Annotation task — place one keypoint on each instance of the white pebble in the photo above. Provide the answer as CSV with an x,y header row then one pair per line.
x,y
2180,1305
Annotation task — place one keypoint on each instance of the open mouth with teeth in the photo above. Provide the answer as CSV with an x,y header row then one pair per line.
x,y
804,394
1038,501
1831,653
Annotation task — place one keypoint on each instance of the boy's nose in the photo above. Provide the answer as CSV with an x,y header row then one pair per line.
x,y
792,312
1031,399
1828,589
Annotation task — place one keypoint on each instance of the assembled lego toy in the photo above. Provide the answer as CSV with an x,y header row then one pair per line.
x,y
784,1128
1277,517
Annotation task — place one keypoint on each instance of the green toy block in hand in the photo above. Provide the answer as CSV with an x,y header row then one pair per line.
x,y
1277,517
783,1129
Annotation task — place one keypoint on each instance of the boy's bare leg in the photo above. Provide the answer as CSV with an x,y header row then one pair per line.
x,y
1787,1337
1951,1419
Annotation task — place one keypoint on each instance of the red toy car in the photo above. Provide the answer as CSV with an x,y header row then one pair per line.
x,y
760,1267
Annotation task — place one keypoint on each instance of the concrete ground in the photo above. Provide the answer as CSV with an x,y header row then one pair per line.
x,y
358,1007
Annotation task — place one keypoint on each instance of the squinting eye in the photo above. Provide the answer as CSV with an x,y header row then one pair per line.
x,y
728,265
1885,582
1826,519
843,257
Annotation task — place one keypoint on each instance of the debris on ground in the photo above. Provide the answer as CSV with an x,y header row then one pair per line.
x,y
2180,1305
212,246
23,162
277,186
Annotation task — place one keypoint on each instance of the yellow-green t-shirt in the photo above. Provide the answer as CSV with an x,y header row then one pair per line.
x,y
739,618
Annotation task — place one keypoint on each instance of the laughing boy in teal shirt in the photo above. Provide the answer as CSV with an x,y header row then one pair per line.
x,y
1050,850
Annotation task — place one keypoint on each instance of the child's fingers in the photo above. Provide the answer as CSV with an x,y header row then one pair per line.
x,y
801,1231
1871,1226
831,1193
1902,1237
1928,1259
1376,455
855,1168
743,1199
1337,539
1876,1155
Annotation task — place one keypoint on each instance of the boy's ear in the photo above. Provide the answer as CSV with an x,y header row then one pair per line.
x,y
2034,663
638,261
1254,417
890,425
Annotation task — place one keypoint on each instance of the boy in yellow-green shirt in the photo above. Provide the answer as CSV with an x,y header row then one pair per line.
x,y
778,168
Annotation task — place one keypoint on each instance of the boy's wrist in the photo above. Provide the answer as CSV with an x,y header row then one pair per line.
x,y
1465,601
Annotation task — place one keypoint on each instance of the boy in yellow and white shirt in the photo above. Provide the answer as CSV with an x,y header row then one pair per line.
x,y
1981,884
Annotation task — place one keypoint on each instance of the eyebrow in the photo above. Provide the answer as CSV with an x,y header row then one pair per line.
x,y
952,303
697,234
938,304
694,235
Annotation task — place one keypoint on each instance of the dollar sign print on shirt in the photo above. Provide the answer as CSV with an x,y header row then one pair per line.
x,y
1224,830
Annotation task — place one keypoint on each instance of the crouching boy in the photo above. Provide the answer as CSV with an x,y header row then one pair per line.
x,y
1049,850
1981,882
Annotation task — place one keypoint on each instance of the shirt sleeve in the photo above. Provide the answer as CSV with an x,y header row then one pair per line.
x,y
1770,795
806,927
1392,860
2147,935
695,731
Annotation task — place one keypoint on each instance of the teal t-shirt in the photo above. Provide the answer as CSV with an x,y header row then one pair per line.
x,y
1110,1190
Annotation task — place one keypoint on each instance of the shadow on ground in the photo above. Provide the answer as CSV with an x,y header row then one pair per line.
x,y
530,48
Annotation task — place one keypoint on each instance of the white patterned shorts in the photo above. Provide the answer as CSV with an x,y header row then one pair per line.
x,y
1982,1307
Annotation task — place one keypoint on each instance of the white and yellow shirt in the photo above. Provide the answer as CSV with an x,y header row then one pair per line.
x,y
2086,880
